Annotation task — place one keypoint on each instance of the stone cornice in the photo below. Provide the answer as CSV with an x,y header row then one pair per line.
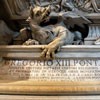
x,y
31,52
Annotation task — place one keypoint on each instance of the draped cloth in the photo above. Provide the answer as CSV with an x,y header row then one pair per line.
x,y
17,6
88,5
96,5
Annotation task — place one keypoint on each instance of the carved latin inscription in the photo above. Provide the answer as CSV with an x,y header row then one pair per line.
x,y
56,70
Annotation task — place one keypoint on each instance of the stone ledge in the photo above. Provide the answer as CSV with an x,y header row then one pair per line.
x,y
31,52
20,79
19,97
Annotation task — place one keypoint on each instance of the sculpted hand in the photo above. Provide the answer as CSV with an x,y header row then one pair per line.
x,y
49,51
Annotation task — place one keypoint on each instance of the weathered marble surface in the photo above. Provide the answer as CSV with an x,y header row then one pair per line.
x,y
17,7
74,71
18,97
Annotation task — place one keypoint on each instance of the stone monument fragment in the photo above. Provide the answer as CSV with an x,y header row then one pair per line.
x,y
57,50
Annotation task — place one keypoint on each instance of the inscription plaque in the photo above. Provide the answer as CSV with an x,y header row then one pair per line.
x,y
54,70
75,70
69,73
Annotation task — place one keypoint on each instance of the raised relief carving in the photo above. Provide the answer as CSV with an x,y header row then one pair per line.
x,y
71,24
50,25
53,35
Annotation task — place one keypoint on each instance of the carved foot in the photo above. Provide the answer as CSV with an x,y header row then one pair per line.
x,y
49,51
97,42
31,42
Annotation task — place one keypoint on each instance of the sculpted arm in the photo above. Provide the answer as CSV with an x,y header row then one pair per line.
x,y
49,50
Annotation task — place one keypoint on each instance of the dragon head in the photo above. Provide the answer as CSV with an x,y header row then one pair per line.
x,y
39,14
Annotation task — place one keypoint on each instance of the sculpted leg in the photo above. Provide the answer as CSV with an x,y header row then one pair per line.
x,y
49,50
31,42
24,35
78,38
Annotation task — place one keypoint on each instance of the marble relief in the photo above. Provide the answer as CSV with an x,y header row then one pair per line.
x,y
47,23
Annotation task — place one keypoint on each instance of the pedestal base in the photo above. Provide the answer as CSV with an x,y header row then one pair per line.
x,y
90,41
94,34
75,70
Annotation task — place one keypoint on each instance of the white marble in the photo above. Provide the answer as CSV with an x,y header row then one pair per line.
x,y
19,97
93,35
75,70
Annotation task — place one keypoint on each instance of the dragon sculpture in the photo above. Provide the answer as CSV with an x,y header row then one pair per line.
x,y
54,36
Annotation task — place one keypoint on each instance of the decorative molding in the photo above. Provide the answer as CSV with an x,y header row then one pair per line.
x,y
33,52
9,84
19,97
